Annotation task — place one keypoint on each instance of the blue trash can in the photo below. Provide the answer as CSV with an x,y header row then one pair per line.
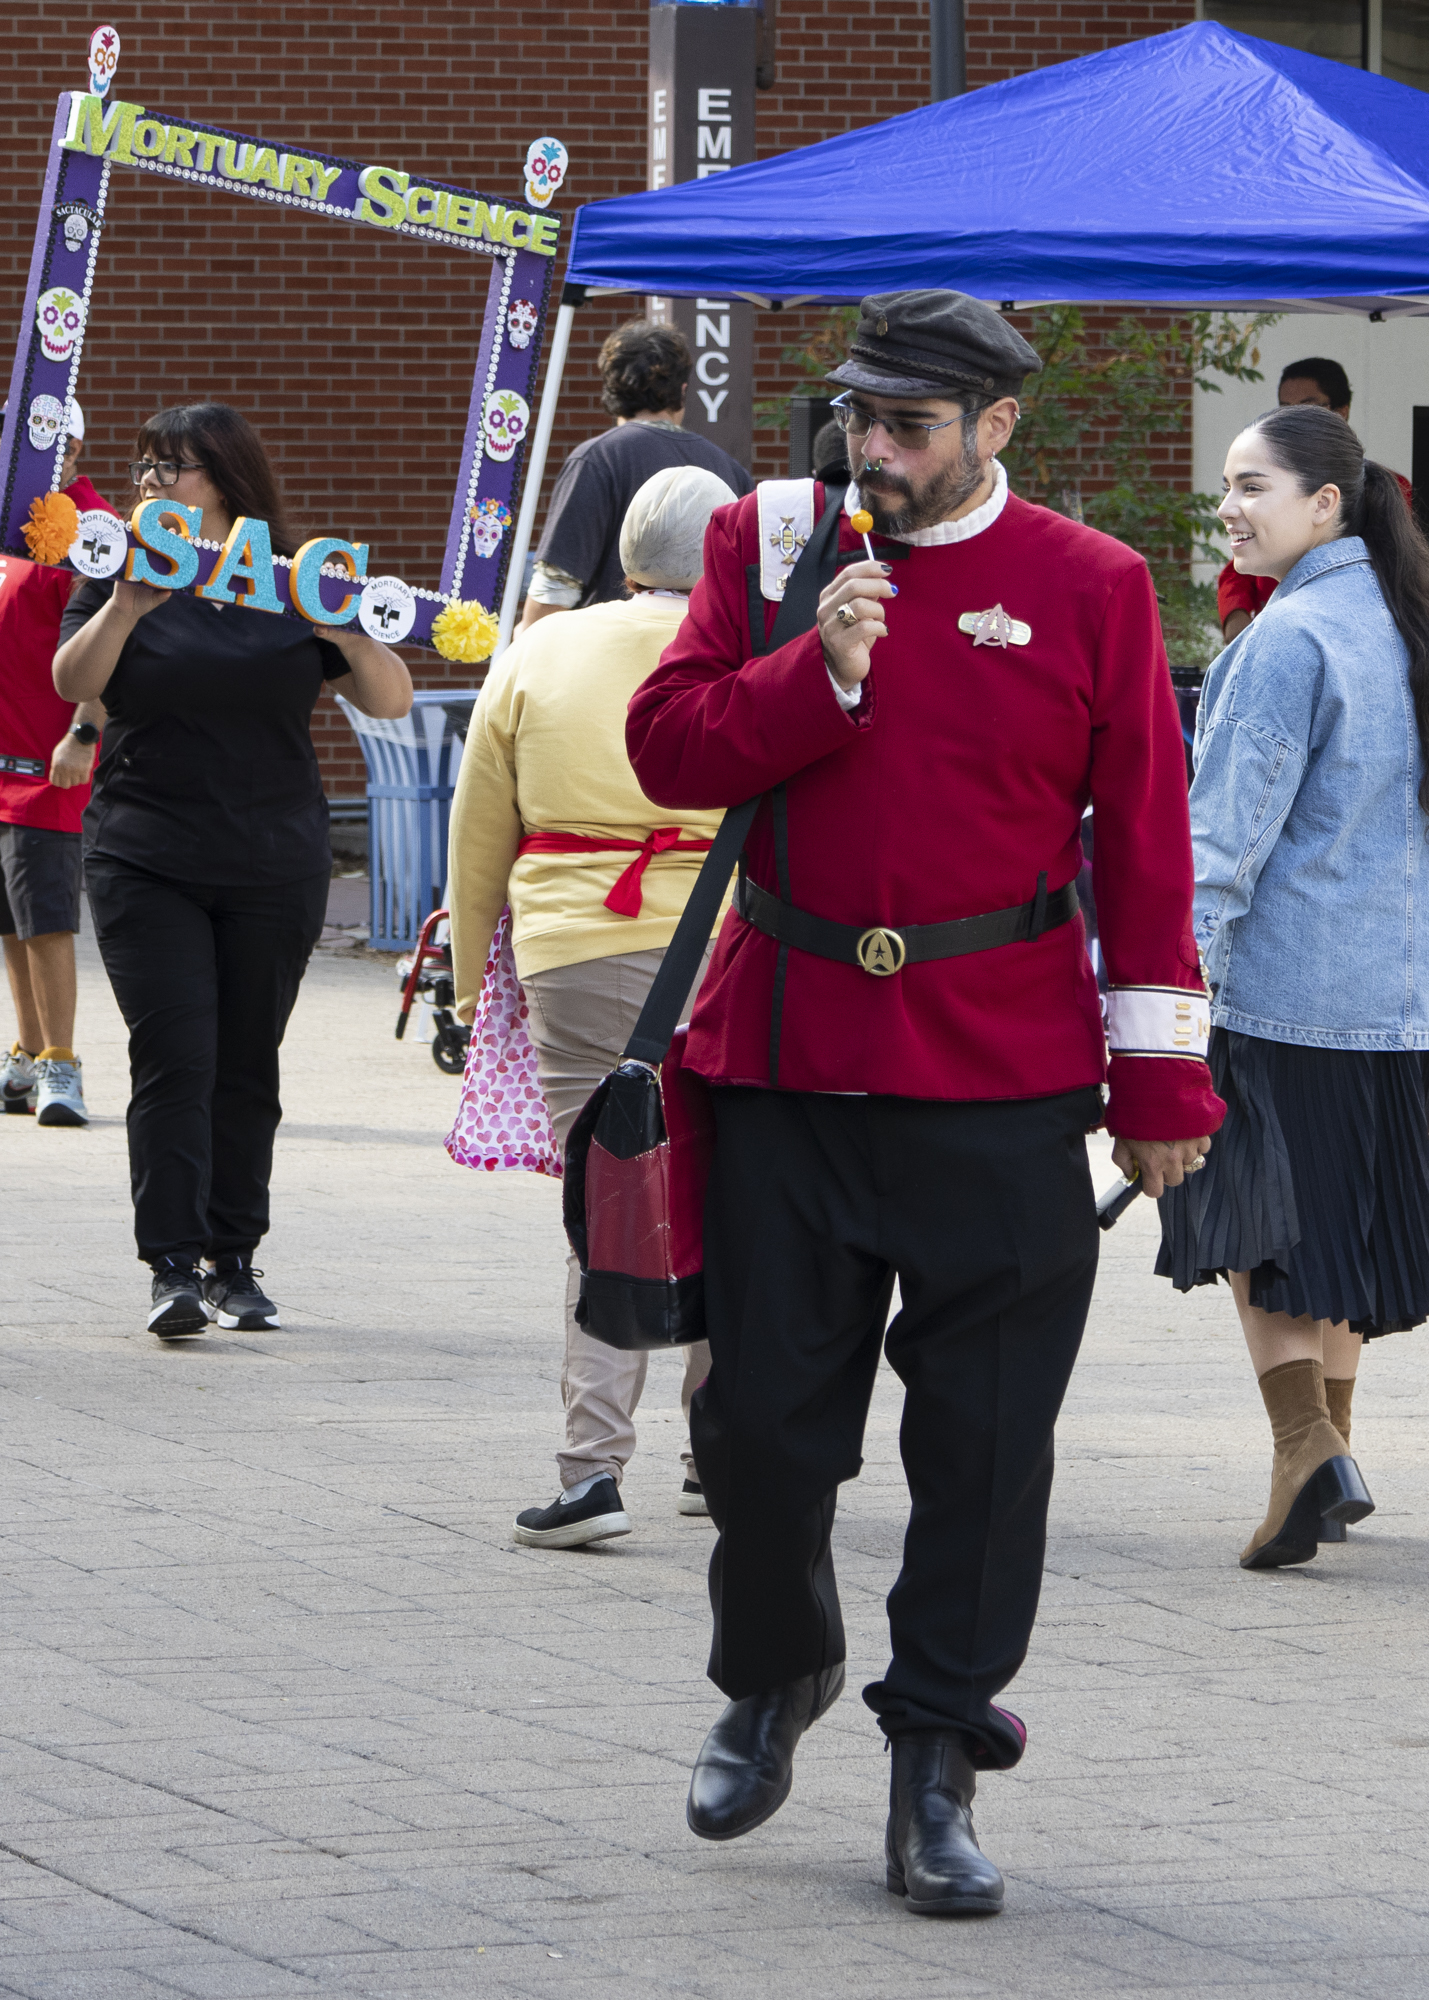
x,y
412,767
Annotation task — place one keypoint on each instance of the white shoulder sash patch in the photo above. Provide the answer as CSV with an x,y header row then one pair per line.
x,y
1158,1021
786,521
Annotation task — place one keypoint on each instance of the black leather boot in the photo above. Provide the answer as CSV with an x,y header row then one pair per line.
x,y
934,1860
746,1766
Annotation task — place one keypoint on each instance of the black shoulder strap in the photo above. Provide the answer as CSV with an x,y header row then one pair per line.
x,y
660,1016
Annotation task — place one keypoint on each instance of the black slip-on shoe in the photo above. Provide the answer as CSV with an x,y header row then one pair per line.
x,y
595,1517
176,1308
691,1499
234,1299
745,1768
930,1850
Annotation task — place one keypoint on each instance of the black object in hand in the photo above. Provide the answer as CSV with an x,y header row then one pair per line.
x,y
1112,1205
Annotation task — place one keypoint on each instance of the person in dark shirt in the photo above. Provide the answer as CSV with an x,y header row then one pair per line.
x,y
207,862
644,372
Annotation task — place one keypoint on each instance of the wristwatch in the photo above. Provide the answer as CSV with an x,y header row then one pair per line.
x,y
85,732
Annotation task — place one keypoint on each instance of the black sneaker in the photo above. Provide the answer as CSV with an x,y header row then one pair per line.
x,y
177,1307
595,1516
233,1298
691,1499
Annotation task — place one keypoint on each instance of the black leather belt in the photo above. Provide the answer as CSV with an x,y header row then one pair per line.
x,y
24,767
883,949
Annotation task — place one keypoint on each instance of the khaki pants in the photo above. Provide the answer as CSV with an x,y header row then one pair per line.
x,y
581,1019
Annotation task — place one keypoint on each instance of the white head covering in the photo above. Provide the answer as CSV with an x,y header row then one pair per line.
x,y
662,536
75,420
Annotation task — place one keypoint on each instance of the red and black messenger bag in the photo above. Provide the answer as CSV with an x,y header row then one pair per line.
x,y
638,1156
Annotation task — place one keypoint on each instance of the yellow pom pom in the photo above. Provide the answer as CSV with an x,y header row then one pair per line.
x,y
51,528
861,522
465,632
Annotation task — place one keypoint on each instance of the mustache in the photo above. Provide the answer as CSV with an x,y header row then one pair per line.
x,y
884,482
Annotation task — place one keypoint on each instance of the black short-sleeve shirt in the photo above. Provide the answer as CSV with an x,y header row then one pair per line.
x,y
208,772
595,487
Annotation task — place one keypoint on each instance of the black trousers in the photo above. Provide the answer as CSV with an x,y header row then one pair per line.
x,y
985,1214
205,979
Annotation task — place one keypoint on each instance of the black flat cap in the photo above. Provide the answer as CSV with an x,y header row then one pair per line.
x,y
934,344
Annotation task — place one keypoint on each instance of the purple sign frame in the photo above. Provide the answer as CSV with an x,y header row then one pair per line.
x,y
92,135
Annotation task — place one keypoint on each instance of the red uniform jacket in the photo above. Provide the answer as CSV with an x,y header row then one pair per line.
x,y
962,774
33,717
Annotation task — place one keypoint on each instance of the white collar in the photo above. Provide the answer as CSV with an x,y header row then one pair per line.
x,y
943,532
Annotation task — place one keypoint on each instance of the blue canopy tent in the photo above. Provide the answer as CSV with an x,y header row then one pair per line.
x,y
1199,168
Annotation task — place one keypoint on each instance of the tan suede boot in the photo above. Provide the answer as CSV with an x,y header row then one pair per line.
x,y
1305,1439
1339,1393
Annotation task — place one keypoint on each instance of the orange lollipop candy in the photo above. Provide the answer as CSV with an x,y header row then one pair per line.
x,y
861,521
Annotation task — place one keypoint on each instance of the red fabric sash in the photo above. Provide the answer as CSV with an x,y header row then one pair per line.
x,y
627,895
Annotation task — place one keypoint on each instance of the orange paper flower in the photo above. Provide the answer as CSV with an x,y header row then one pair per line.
x,y
51,528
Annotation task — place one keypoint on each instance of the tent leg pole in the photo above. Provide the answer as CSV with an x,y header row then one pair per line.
x,y
535,472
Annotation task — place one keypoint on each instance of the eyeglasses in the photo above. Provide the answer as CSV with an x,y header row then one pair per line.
x,y
908,433
165,470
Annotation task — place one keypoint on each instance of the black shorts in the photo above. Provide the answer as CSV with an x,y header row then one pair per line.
x,y
40,875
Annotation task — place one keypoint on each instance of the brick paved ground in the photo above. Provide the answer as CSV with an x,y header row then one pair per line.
x,y
285,1712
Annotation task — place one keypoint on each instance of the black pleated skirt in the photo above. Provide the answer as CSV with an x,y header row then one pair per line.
x,y
1317,1184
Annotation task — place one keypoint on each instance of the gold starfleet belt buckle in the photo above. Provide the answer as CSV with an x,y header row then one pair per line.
x,y
881,952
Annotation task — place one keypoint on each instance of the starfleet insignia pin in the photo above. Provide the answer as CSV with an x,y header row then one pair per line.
x,y
995,628
881,952
786,540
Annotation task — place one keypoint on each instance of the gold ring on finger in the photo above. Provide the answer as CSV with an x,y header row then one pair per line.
x,y
846,615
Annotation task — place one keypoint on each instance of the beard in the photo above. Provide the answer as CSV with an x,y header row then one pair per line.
x,y
899,507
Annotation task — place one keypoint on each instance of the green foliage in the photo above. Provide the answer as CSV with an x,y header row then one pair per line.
x,y
825,348
1099,411
1102,408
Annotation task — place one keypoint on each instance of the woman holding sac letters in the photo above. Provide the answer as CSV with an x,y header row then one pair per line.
x,y
207,860
1312,876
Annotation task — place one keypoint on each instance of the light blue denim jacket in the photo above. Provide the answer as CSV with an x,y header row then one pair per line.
x,y
1311,855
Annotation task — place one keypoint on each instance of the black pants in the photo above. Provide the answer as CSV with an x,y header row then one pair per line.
x,y
205,979
985,1214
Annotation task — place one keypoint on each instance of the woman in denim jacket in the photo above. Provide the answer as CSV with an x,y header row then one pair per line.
x,y
1312,865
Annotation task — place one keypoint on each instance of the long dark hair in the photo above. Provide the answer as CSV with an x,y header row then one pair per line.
x,y
225,444
1320,449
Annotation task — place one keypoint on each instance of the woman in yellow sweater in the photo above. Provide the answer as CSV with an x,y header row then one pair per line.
x,y
548,816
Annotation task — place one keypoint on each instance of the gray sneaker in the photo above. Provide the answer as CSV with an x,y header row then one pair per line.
x,y
59,1096
18,1081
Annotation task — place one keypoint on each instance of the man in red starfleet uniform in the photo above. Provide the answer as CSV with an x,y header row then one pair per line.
x,y
903,1032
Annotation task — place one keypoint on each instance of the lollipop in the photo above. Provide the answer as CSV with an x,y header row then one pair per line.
x,y
861,522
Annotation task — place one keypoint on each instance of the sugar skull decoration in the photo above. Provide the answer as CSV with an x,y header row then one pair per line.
x,y
520,322
60,318
76,232
489,521
103,59
47,413
387,609
546,163
505,418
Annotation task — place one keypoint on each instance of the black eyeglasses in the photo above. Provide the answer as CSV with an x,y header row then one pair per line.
x,y
165,470
908,433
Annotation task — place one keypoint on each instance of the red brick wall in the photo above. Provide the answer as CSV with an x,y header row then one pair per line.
x,y
353,351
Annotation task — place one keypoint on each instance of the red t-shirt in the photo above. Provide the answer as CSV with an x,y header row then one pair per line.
x,y
33,717
1235,592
